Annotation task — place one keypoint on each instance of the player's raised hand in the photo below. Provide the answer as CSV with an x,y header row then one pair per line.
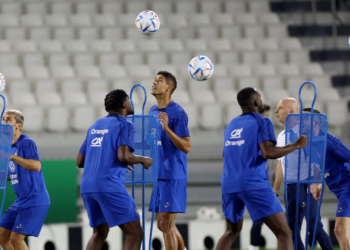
x,y
301,142
315,189
147,162
164,119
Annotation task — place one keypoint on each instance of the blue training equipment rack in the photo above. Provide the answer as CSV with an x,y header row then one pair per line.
x,y
6,134
310,160
146,144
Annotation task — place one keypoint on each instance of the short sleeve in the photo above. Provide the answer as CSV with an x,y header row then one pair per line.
x,y
126,136
29,149
265,131
83,148
181,125
337,148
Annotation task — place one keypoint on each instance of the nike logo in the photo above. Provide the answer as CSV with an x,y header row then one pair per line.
x,y
167,206
304,205
19,227
340,211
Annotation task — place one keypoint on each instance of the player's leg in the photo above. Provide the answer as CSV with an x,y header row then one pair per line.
x,y
98,237
230,235
255,235
17,241
133,235
291,196
5,235
279,226
233,208
341,231
321,236
166,224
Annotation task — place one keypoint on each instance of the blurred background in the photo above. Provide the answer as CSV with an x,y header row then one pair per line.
x,y
61,57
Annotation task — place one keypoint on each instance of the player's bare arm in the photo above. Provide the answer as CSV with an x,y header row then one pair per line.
x,y
315,189
279,178
29,164
270,151
80,160
182,143
124,155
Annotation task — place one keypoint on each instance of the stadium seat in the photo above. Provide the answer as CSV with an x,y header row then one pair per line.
x,y
88,71
33,125
210,7
114,71
112,33
136,7
203,96
207,32
211,116
185,33
267,44
19,86
311,69
12,72
268,18
245,82
56,20
290,44
80,20
277,31
101,46
39,34
228,58
232,111
298,56
322,81
8,59
9,20
58,59
288,70
71,86
328,94
235,7
157,59
74,98
148,45
36,8
273,82
83,59
15,34
293,84
259,7
37,71
231,32
125,46
127,20
196,44
275,57
22,98
130,59
252,57
181,97
76,46
192,114
199,19
114,8
61,8
180,58
57,119
178,20
172,45
240,70
245,18
62,71
222,19
31,20
51,46
25,46
140,71
86,8
11,8
88,33
93,86
162,7
104,20
222,84
44,86
276,94
337,113
48,99
193,88
220,45
165,33
63,33
186,7
255,32
83,117
107,59
33,59
227,97
243,44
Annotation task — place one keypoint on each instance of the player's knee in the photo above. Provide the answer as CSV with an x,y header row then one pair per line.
x,y
339,232
15,240
163,225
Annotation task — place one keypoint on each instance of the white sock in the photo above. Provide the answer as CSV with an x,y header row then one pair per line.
x,y
253,247
185,248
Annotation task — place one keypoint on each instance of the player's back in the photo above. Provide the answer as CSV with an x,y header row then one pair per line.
x,y
244,167
103,172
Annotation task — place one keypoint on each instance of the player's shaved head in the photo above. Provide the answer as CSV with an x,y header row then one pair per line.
x,y
249,98
285,107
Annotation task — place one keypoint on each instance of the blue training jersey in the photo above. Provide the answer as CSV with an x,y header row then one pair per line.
x,y
336,173
29,186
103,172
172,163
244,167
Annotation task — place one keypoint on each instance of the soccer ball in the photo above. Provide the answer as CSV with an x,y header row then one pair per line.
x,y
201,68
2,82
147,22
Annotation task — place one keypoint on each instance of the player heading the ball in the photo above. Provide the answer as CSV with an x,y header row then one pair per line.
x,y
174,144
27,215
105,156
249,142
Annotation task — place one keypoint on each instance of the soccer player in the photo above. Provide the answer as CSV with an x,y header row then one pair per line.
x,y
255,232
173,146
284,108
338,180
27,215
249,142
105,156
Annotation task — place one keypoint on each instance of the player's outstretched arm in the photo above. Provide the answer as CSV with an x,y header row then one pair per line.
x,y
270,151
126,156
279,178
29,164
80,160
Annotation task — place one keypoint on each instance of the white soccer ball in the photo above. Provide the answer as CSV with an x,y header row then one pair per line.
x,y
2,82
147,22
201,68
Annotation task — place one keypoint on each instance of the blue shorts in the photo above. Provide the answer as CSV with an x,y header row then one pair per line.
x,y
24,220
343,209
171,196
260,204
114,208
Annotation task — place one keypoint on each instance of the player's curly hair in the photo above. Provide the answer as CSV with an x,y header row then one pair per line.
x,y
169,78
115,99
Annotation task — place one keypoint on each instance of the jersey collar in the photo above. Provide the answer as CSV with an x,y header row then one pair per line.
x,y
116,115
18,141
